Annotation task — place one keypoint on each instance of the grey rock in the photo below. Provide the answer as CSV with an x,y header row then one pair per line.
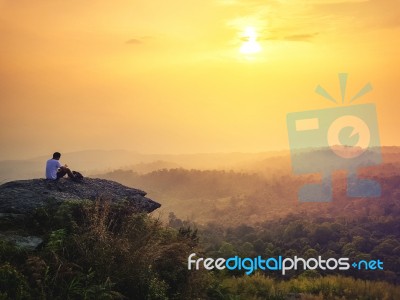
x,y
11,216
24,196
25,242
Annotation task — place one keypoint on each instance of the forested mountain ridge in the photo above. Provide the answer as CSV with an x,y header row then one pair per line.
x,y
235,197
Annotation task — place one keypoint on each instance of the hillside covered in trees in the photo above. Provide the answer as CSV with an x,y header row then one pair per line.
x,y
258,193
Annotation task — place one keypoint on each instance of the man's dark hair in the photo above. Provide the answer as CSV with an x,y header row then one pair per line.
x,y
56,155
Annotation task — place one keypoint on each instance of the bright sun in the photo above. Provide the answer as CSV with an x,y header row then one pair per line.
x,y
250,45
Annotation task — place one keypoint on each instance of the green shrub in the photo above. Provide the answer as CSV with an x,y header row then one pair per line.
x,y
258,286
13,284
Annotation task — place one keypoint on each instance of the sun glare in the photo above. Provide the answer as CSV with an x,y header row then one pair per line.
x,y
250,45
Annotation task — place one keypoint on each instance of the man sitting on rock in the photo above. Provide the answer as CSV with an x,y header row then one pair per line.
x,y
54,170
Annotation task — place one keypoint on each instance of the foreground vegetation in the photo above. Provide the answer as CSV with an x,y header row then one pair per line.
x,y
308,236
101,250
258,287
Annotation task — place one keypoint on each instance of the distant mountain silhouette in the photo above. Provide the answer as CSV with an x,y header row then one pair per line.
x,y
98,161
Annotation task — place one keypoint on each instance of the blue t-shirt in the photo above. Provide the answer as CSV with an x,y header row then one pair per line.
x,y
52,166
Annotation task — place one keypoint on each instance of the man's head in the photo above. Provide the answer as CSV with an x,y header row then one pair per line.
x,y
56,155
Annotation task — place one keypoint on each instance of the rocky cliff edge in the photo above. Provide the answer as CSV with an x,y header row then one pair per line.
x,y
21,199
24,196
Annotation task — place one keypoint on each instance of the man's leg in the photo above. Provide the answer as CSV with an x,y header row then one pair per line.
x,y
61,173
64,170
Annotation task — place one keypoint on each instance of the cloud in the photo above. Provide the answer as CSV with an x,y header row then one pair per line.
x,y
139,40
277,20
300,37
367,14
296,21
134,41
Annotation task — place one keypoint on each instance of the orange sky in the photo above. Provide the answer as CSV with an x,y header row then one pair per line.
x,y
169,77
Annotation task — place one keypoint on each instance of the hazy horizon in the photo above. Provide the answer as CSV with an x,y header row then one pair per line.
x,y
49,154
184,77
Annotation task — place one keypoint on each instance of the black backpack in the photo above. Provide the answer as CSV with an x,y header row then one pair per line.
x,y
78,177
